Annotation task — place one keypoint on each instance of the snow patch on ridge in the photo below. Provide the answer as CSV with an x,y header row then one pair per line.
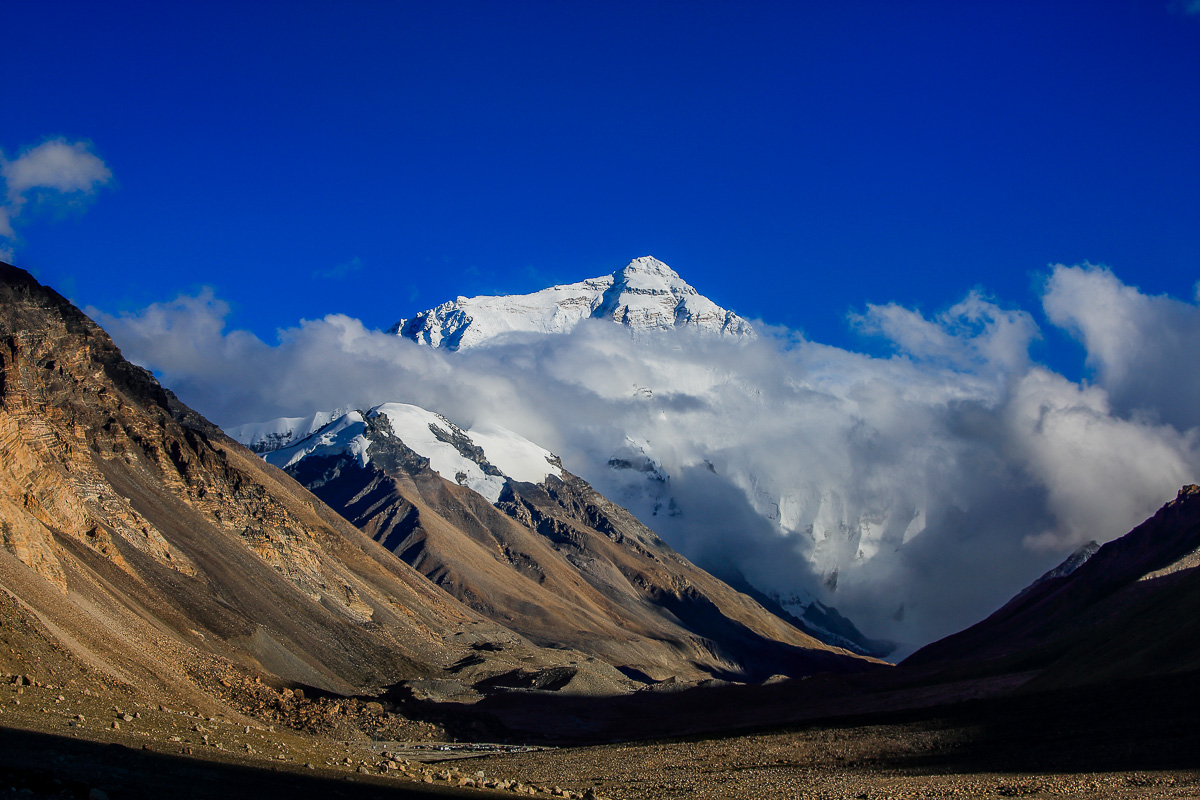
x,y
417,428
514,455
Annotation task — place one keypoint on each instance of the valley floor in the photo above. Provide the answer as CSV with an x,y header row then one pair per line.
x,y
822,764
63,742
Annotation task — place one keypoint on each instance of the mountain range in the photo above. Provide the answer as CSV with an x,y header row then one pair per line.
x,y
498,523
164,551
383,574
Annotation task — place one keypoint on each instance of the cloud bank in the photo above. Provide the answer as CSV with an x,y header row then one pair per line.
x,y
916,492
54,173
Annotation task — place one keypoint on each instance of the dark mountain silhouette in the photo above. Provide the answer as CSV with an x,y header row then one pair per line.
x,y
1129,611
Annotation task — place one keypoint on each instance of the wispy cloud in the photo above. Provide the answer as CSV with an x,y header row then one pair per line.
x,y
341,270
1189,8
53,173
973,334
56,165
939,480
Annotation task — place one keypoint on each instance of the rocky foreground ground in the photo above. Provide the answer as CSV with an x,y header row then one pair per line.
x,y
72,729
820,764
83,738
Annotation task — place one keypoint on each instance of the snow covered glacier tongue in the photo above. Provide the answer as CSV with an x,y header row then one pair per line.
x,y
645,295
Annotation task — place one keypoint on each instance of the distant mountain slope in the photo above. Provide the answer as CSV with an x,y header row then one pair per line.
x,y
1130,610
155,548
497,522
816,619
645,295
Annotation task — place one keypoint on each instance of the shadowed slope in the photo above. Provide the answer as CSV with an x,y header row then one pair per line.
x,y
1129,611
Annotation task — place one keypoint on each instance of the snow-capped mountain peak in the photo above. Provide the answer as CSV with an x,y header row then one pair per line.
x,y
644,295
648,273
482,459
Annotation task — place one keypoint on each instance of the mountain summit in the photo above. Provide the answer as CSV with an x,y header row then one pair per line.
x,y
644,295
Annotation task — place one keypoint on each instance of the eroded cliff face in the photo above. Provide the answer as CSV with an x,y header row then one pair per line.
x,y
76,421
57,423
714,626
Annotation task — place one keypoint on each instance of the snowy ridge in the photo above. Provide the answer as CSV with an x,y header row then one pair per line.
x,y
482,460
419,430
346,434
514,455
645,295
263,437
1073,562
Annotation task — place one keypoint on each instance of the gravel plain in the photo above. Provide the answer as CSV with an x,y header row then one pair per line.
x,y
103,742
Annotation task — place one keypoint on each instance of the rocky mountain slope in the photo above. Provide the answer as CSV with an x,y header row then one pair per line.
x,y
644,295
497,522
1128,611
144,543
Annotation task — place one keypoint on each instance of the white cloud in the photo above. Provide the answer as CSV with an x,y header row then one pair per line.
x,y
57,165
53,172
1143,348
973,334
6,229
1101,472
938,481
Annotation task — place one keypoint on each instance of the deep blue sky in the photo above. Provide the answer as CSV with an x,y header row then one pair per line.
x,y
793,161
